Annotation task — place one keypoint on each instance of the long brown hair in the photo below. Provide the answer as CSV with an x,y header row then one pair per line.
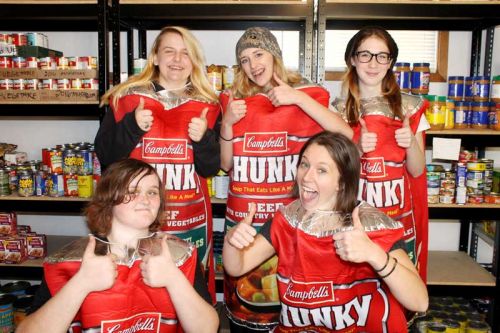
x,y
345,155
112,190
390,88
200,86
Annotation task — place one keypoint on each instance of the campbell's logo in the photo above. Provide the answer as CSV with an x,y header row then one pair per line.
x,y
373,167
163,149
264,142
140,323
309,292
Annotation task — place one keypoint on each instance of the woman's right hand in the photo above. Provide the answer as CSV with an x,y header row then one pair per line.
x,y
143,117
243,234
96,273
236,110
368,140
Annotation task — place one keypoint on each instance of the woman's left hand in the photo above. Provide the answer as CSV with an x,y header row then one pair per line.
x,y
404,136
353,245
155,269
283,94
198,126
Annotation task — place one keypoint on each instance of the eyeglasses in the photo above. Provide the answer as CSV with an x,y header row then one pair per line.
x,y
382,58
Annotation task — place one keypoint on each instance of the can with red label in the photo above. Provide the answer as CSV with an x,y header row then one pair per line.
x,y
73,62
55,160
83,62
5,62
19,39
76,84
63,84
71,185
31,84
62,63
6,84
18,84
90,84
32,62
47,63
18,62
48,84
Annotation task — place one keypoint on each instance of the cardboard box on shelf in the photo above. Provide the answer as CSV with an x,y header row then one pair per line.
x,y
37,51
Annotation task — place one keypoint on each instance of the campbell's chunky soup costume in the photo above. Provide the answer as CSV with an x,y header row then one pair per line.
x,y
130,305
322,293
385,182
167,147
266,146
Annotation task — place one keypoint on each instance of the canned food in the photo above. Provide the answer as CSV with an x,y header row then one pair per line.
x,y
40,183
56,185
4,182
32,62
492,198
85,187
90,84
26,186
6,84
71,185
63,84
47,63
18,62
19,39
84,161
62,63
18,84
48,84
475,198
21,307
477,327
76,84
452,326
13,180
5,62
70,165
83,62
481,88
7,313
73,62
436,328
139,65
31,84
476,166
17,288
56,163
35,39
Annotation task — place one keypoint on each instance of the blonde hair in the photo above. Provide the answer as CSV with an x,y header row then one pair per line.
x,y
244,87
200,87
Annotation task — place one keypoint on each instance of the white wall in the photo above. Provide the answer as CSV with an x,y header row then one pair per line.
x,y
33,135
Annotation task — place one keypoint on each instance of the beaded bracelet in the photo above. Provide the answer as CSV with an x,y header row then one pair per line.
x,y
220,136
392,270
385,265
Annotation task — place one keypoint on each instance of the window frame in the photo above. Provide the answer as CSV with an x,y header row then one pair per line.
x,y
441,74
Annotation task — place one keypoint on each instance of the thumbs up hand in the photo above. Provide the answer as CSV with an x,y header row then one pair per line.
x,y
96,273
354,245
283,94
368,140
156,269
243,234
198,126
143,117
404,136
236,110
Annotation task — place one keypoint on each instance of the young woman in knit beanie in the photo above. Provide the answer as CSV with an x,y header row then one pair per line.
x,y
268,115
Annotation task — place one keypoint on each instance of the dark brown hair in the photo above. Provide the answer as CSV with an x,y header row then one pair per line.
x,y
345,155
112,190
390,87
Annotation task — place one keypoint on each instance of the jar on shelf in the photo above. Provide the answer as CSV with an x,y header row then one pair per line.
x,y
214,74
481,88
461,114
494,116
420,78
436,111
402,73
456,88
449,116
480,112
495,89
469,88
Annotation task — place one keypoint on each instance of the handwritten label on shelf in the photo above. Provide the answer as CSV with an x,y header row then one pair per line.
x,y
19,95
73,95
34,73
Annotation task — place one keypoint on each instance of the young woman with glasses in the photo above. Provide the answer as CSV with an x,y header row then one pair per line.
x,y
389,130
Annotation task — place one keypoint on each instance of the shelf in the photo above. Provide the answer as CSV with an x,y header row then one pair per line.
x,y
453,268
412,15
214,15
46,109
464,212
42,204
465,131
